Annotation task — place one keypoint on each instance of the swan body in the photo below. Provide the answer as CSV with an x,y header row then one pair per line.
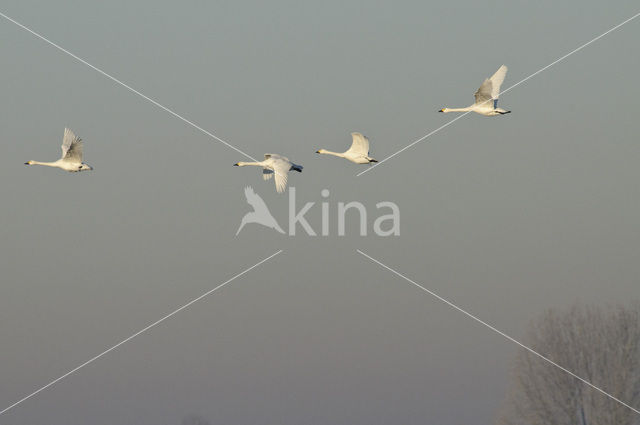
x,y
486,96
260,213
71,159
274,164
358,152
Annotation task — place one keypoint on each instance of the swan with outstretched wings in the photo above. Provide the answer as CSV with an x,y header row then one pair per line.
x,y
277,165
486,96
358,152
71,159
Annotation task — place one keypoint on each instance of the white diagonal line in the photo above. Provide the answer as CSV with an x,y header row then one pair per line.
x,y
504,91
114,79
499,332
157,322
413,143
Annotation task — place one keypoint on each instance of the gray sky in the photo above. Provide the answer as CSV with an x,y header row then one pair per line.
x,y
504,216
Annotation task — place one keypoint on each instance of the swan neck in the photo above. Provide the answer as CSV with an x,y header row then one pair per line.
x,y
326,152
243,164
47,164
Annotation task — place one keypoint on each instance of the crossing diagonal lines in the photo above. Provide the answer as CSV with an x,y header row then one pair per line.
x,y
494,329
128,87
560,59
141,331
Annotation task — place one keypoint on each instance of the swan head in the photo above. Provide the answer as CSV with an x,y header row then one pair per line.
x,y
28,163
443,110
320,151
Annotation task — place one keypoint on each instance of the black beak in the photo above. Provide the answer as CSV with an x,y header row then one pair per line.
x,y
26,163
317,151
235,165
441,110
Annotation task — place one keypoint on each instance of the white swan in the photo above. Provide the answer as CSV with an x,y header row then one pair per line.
x,y
274,164
260,213
486,96
71,159
358,152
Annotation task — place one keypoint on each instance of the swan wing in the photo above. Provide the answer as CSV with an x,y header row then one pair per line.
x,y
275,156
483,94
490,88
359,144
496,81
280,166
281,171
71,146
267,173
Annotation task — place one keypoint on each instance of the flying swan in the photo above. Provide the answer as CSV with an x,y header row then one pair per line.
x,y
71,159
274,164
486,96
358,152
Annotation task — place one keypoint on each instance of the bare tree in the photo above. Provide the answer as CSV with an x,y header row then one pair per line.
x,y
601,346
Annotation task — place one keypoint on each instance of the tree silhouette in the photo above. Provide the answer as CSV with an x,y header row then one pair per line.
x,y
601,346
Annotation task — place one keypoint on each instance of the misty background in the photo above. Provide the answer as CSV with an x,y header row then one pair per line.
x,y
504,216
